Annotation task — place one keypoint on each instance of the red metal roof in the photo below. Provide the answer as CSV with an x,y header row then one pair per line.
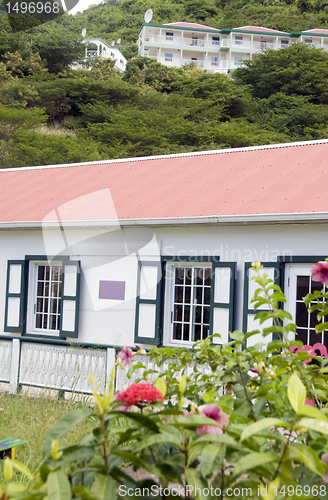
x,y
317,31
267,180
259,28
191,26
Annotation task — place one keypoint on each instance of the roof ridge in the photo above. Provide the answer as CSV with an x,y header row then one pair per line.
x,y
163,157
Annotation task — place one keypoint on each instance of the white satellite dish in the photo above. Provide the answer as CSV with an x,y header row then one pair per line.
x,y
113,43
84,32
148,16
118,41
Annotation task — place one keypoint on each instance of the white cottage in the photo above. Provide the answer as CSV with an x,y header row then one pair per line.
x,y
157,250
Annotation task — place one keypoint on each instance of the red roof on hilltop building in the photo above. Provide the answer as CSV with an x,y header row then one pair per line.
x,y
280,179
194,26
260,28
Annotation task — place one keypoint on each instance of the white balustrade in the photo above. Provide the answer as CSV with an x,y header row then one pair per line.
x,y
61,367
5,360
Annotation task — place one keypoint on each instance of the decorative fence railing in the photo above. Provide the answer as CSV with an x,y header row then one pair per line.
x,y
62,366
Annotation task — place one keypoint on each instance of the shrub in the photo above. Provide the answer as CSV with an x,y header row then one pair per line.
x,y
256,427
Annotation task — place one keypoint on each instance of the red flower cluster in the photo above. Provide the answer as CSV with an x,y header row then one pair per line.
x,y
140,393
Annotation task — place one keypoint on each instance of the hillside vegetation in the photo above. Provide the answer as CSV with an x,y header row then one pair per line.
x,y
51,114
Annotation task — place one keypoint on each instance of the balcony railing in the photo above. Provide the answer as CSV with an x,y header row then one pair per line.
x,y
170,41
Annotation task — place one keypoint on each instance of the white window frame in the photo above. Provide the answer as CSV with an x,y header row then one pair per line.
x,y
284,43
32,297
194,41
169,301
214,61
291,273
168,56
215,40
237,61
308,41
169,36
238,40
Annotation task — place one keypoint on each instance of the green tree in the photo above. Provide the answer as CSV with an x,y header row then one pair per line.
x,y
11,120
299,69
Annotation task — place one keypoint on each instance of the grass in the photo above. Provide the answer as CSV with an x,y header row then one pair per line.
x,y
31,418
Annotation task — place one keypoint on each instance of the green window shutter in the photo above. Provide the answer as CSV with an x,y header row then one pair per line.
x,y
15,297
222,300
69,317
148,303
274,271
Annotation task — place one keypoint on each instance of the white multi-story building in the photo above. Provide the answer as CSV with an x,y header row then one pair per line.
x,y
216,50
96,47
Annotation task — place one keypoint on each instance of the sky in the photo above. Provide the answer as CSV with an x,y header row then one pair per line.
x,y
83,5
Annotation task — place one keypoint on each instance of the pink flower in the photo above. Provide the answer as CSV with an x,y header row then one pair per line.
x,y
215,412
309,402
125,355
319,272
324,458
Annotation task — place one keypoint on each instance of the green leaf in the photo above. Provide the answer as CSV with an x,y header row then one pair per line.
x,y
211,458
296,392
64,425
22,468
253,460
58,487
237,335
260,425
321,327
308,456
84,493
314,424
194,480
193,421
312,411
138,417
104,487
216,438
159,438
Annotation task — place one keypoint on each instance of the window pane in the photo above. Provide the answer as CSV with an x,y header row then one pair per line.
x,y
187,294
53,325
198,276
301,335
208,276
178,294
40,289
41,272
206,315
179,274
198,314
186,333
313,320
39,305
188,276
197,332
314,337
205,331
47,272
177,331
45,321
198,295
316,285
186,314
38,321
207,295
177,313
303,283
301,314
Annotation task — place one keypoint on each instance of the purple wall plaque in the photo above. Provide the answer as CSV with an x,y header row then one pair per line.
x,y
112,290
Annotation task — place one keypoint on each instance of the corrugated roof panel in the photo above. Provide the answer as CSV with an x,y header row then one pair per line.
x,y
277,180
